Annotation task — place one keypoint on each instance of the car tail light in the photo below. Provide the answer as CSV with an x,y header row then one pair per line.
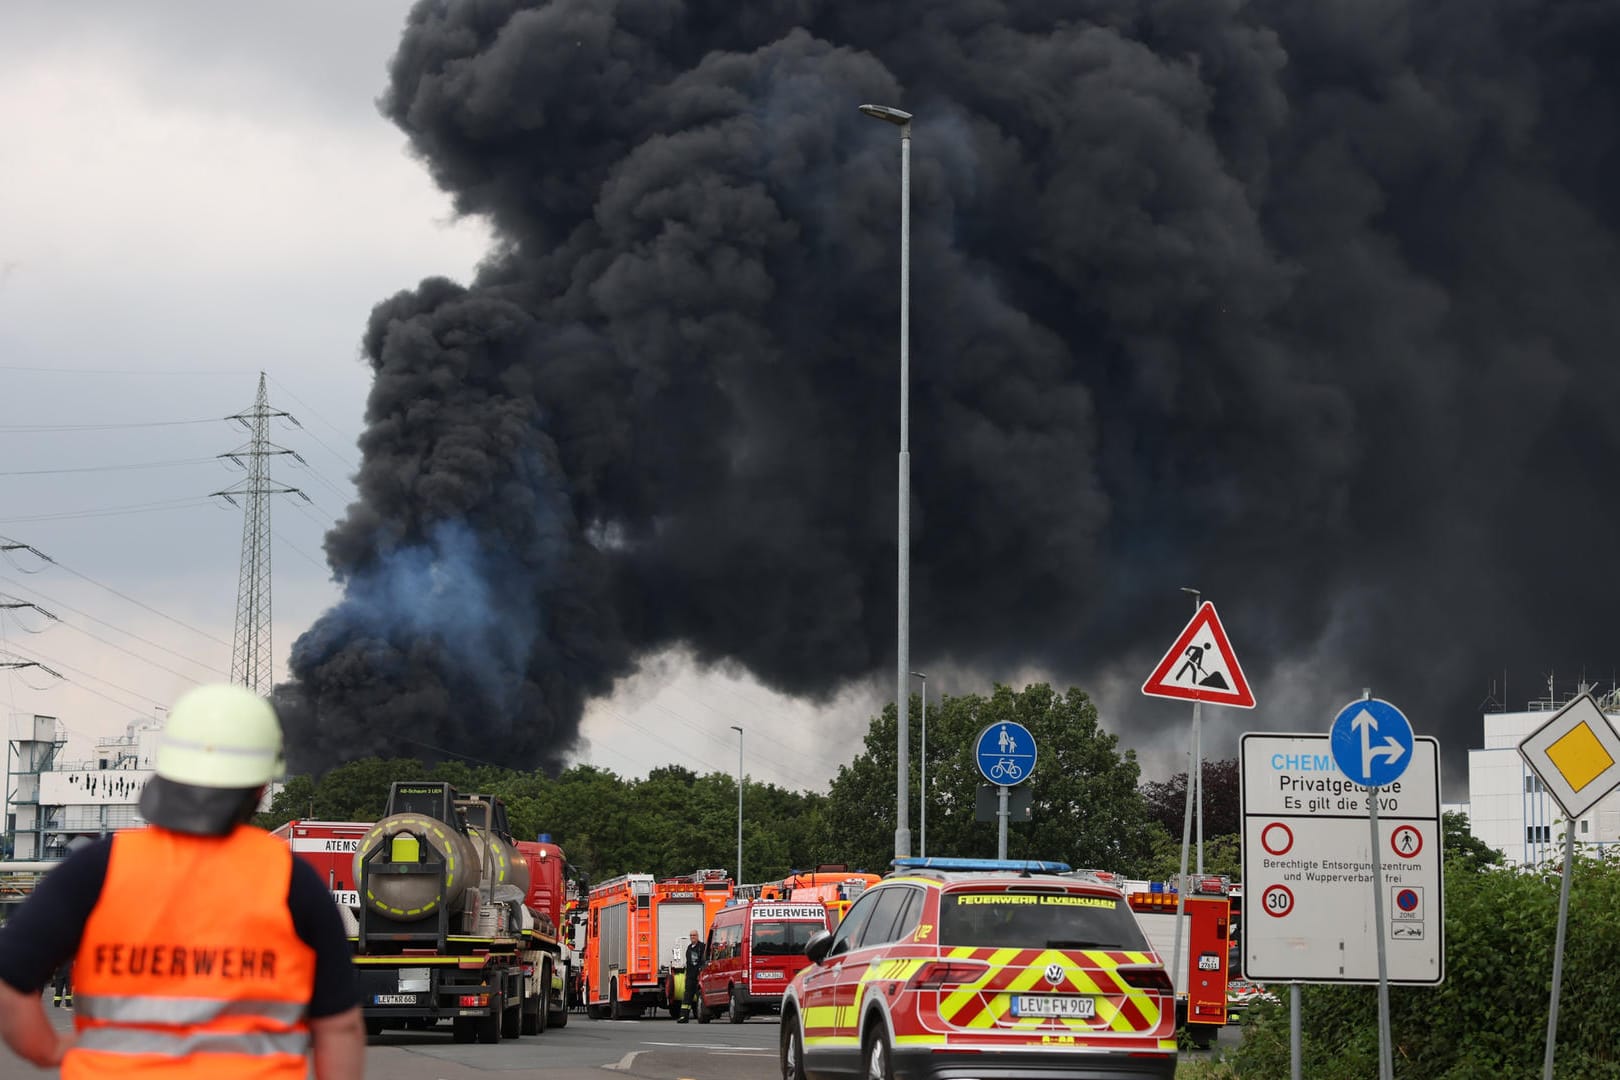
x,y
941,973
474,1001
1155,979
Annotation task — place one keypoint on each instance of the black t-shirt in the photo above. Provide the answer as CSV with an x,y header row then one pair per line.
x,y
45,931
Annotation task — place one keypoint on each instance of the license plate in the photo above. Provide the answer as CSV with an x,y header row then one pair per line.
x,y
767,974
394,999
1080,1007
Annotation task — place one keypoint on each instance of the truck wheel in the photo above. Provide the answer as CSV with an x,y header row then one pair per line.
x,y
463,1029
593,1012
489,1027
558,1017
512,1018
738,1012
617,1009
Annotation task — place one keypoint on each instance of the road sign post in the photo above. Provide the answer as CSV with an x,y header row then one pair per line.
x,y
1576,754
1199,667
1372,745
1005,752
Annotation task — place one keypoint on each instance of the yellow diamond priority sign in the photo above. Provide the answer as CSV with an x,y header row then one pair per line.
x,y
1576,754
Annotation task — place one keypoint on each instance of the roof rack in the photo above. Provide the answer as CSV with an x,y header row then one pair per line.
x,y
1023,866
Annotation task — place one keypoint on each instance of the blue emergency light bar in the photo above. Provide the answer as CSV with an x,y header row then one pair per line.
x,y
1023,866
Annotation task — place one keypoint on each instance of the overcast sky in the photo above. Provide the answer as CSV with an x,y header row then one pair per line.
x,y
195,193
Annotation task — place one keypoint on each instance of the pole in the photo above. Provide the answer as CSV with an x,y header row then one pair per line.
x,y
1386,1063
922,782
902,714
1194,777
739,732
1293,1032
1002,813
1198,774
1558,947
1176,968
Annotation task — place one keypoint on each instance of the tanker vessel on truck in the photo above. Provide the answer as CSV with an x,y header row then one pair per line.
x,y
456,921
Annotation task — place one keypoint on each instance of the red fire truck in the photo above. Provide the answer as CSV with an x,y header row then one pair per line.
x,y
329,847
636,932
1203,967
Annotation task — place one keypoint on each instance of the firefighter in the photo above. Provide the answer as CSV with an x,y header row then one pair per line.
x,y
694,964
201,947
62,984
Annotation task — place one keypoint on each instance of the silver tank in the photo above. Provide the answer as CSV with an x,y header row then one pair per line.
x,y
412,897
503,863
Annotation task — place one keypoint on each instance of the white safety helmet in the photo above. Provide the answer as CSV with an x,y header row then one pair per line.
x,y
220,744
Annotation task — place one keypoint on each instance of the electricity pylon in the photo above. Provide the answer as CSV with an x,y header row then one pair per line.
x,y
252,664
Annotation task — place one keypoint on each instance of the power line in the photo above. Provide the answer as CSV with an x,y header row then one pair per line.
x,y
121,371
36,428
6,544
190,502
107,468
307,408
111,626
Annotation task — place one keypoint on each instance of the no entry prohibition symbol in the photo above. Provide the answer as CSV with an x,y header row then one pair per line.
x,y
1277,838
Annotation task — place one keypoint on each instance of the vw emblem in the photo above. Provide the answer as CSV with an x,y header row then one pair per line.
x,y
1054,974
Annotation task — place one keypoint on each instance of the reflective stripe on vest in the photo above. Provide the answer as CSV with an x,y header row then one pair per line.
x,y
142,1041
184,1012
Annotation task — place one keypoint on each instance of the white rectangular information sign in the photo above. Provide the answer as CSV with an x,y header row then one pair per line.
x,y
1307,866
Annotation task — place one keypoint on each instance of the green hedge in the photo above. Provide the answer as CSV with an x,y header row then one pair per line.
x,y
1489,1018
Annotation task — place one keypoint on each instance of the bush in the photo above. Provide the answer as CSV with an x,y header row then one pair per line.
x,y
1489,1017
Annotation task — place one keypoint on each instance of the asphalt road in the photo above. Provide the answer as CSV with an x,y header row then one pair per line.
x,y
654,1048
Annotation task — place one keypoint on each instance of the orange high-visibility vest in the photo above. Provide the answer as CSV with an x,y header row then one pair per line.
x,y
190,966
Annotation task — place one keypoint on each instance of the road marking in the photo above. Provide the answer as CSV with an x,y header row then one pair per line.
x,y
624,1063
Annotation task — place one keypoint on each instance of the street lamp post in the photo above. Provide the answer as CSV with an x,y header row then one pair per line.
x,y
902,829
922,782
739,732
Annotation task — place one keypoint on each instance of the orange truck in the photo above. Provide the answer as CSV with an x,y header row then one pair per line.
x,y
833,885
636,933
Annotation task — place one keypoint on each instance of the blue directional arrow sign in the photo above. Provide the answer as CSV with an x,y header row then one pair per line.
x,y
1006,753
1371,742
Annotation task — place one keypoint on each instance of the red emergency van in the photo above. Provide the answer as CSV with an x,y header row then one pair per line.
x,y
754,948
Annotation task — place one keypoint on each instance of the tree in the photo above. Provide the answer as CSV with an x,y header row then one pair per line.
x,y
1223,800
1462,848
1086,808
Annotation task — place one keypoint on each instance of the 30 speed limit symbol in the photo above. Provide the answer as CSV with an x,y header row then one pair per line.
x,y
1278,900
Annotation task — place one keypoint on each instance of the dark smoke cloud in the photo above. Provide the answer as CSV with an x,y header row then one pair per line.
x,y
1309,305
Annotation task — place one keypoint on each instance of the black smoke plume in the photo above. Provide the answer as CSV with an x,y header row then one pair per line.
x,y
1310,305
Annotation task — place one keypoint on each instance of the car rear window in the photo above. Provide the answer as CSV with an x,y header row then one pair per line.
x,y
783,938
1028,919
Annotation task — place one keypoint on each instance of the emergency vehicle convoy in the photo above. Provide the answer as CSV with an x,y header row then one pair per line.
x,y
454,920
635,939
754,948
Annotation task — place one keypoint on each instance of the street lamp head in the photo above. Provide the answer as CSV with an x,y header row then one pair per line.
x,y
885,112
919,675
1190,589
737,729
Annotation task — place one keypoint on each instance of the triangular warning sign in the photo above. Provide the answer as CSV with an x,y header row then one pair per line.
x,y
1201,666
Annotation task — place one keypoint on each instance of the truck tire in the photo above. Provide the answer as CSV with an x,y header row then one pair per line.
x,y
463,1029
512,1017
593,1012
489,1027
556,1017
534,1008
616,1009
737,1012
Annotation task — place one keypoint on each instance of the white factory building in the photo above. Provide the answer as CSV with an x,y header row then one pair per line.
x,y
54,804
1508,807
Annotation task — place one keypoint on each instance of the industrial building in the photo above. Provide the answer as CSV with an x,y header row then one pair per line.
x,y
1510,810
53,804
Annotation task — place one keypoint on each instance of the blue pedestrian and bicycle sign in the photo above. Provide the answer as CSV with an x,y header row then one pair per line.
x,y
1371,742
1006,753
